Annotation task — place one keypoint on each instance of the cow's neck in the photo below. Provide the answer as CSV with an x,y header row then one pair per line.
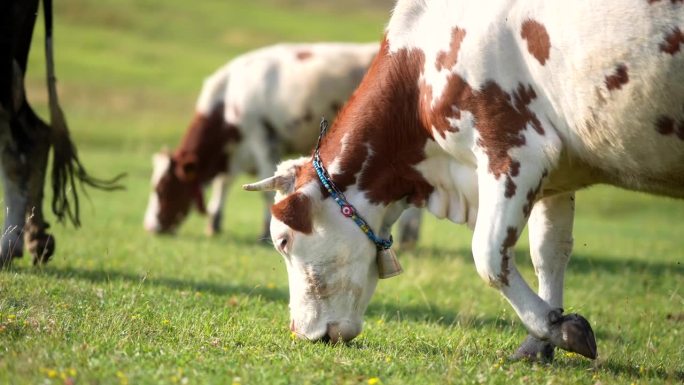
x,y
373,147
205,142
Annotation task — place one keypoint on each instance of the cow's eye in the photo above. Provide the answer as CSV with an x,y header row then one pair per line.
x,y
282,242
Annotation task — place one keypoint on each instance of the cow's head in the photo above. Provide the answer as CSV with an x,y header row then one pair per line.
x,y
332,266
174,188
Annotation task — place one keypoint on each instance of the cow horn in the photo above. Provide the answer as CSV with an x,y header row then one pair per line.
x,y
276,182
388,264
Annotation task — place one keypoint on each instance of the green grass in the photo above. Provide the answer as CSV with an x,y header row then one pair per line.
x,y
117,306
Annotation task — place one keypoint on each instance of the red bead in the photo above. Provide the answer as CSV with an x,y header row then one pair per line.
x,y
347,211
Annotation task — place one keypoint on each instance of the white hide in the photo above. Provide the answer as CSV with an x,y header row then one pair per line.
x,y
591,135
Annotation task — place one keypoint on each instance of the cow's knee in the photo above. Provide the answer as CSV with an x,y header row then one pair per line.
x,y
493,265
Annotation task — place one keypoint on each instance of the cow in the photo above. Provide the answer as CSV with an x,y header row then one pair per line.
x,y
25,142
250,112
490,114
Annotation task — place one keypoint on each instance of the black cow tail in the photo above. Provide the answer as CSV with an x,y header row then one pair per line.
x,y
67,169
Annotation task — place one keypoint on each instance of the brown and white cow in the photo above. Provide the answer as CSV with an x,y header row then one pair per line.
x,y
257,107
493,114
25,142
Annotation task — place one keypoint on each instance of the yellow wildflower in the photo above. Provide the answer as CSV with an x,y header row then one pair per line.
x,y
373,381
52,373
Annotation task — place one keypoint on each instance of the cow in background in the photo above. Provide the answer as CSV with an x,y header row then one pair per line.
x,y
250,112
25,142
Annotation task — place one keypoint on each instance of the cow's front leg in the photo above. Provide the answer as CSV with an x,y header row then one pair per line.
x,y
505,203
550,230
219,187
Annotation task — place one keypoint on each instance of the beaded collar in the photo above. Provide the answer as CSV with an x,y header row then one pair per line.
x,y
345,207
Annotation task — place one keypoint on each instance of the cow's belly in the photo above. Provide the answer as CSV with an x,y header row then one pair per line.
x,y
630,136
635,139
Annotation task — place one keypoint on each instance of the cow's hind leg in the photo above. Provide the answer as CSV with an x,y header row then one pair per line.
x,y
505,202
40,243
550,229
409,227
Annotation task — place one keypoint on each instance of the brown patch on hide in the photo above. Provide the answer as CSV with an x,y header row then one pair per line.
x,y
532,196
671,1
509,242
197,160
382,133
673,41
303,55
666,125
619,78
295,212
446,60
538,41
500,118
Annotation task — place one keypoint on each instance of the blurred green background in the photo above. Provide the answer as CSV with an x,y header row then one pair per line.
x,y
119,306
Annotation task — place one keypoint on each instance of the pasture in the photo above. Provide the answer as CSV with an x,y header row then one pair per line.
x,y
118,306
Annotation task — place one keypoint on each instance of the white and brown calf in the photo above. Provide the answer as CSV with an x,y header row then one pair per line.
x,y
489,113
250,112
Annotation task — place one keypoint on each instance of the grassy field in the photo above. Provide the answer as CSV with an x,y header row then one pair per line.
x,y
117,306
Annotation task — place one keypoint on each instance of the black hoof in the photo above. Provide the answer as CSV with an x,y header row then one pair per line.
x,y
42,247
213,226
13,251
573,333
534,350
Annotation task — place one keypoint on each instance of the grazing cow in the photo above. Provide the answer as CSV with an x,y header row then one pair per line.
x,y
25,141
251,111
492,114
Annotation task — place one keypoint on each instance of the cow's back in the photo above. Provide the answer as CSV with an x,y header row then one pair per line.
x,y
288,87
615,86
606,77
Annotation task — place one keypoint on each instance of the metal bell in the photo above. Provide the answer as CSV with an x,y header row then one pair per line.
x,y
388,264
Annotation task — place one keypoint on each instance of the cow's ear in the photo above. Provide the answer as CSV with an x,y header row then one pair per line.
x,y
186,168
295,211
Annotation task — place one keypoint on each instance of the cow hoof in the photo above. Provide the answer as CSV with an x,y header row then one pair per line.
x,y
9,250
212,231
6,260
573,333
41,246
405,245
213,226
534,350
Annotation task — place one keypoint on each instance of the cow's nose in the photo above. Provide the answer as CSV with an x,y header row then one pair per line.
x,y
340,332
